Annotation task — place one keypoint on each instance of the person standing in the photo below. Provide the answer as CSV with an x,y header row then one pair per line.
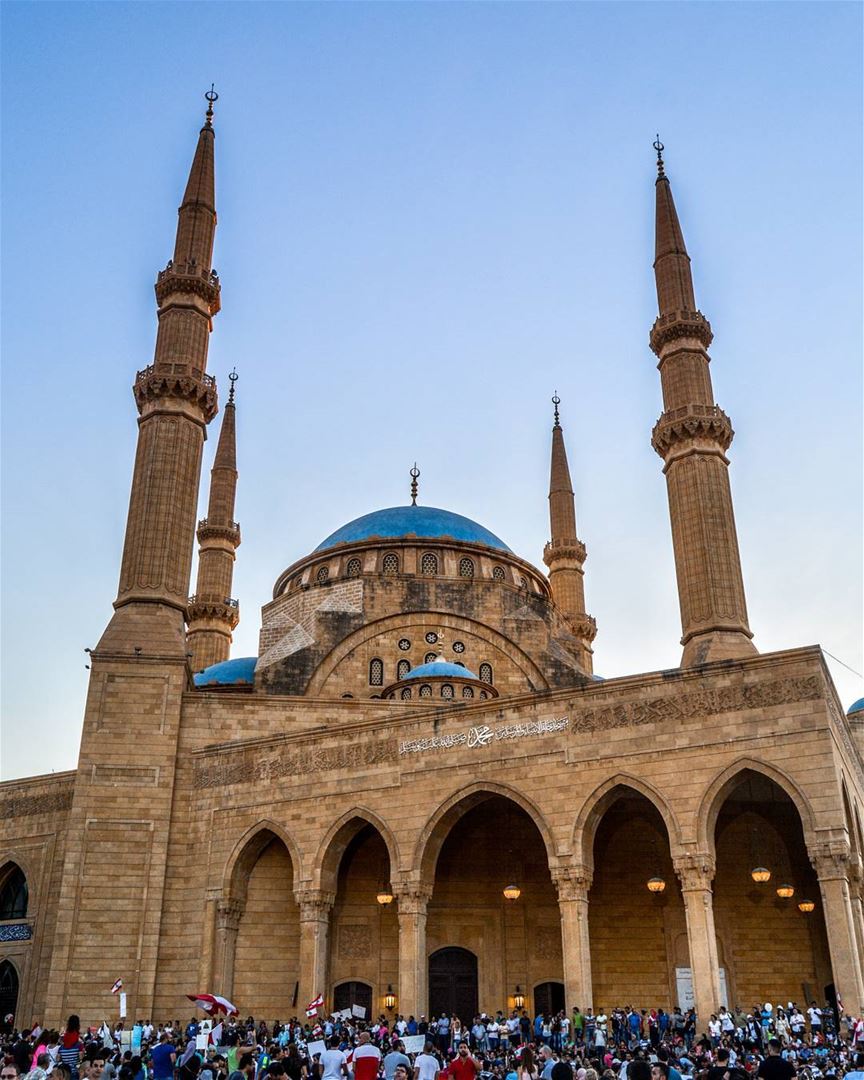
x,y
464,1066
366,1058
774,1066
396,1057
426,1065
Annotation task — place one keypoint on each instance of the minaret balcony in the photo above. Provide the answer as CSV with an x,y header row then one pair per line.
x,y
680,324
692,423
191,384
223,609
229,532
559,550
189,278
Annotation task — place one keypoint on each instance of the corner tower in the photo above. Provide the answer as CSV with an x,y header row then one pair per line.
x,y
692,436
565,553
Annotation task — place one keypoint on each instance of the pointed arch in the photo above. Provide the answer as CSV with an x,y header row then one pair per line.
x,y
328,858
247,851
437,828
599,801
15,888
728,778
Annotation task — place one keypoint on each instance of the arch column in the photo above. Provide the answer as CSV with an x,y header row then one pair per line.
x,y
573,883
696,871
315,907
229,911
832,864
413,898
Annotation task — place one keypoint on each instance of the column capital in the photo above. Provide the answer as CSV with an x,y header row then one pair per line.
x,y
831,859
572,882
314,904
412,896
229,911
695,870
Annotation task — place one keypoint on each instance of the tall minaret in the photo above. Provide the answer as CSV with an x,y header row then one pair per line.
x,y
565,554
692,436
212,614
176,400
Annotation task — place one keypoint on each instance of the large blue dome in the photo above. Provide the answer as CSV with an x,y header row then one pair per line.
x,y
238,672
441,669
422,522
856,707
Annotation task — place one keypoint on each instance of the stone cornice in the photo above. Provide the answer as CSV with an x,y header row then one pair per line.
x,y
680,324
152,385
689,423
205,608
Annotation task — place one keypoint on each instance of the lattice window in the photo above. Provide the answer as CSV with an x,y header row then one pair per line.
x,y
376,672
425,690
523,584
467,691
354,568
466,567
429,657
406,694
498,573
486,673
483,694
429,564
404,644
390,563
323,573
402,669
431,638
447,690
459,646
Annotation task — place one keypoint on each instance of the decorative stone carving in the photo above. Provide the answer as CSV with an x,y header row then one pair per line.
x,y
152,384
831,859
249,766
228,913
695,870
547,943
680,324
584,627
314,904
572,882
355,942
692,422
412,897
51,802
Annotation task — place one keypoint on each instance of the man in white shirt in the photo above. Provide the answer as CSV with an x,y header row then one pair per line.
x,y
426,1066
815,1015
334,1063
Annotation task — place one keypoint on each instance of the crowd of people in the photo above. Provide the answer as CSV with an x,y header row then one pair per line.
x,y
765,1042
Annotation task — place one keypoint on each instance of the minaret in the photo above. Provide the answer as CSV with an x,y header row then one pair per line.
x,y
692,436
212,614
176,400
565,554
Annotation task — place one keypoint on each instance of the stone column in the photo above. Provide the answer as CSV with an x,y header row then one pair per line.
x,y
413,897
696,872
315,906
573,883
832,864
228,915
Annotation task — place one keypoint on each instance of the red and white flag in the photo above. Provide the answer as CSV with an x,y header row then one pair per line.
x,y
216,1034
313,1006
213,1004
117,987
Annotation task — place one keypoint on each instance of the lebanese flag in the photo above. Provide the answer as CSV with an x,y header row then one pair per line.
x,y
216,1034
313,1006
117,987
213,1004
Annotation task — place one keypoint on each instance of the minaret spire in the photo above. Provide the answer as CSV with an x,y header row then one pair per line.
x,y
692,436
176,400
565,554
212,613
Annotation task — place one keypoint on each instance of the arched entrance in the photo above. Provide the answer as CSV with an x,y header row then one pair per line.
x,y
453,984
347,994
549,998
8,994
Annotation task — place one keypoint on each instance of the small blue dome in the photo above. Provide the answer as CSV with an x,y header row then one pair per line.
x,y
422,522
239,672
441,669
857,707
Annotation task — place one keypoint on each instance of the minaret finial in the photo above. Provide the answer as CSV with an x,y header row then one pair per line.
x,y
233,377
211,96
556,401
415,473
659,147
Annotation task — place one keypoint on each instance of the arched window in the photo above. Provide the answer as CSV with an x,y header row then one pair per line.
x,y
498,573
425,690
429,564
483,694
447,690
376,672
486,673
402,669
390,563
13,894
323,574
429,657
467,691
354,568
523,583
406,693
347,695
466,567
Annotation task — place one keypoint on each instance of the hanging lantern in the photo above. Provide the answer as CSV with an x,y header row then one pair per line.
x,y
519,998
656,884
389,998
512,892
785,891
806,906
760,874
385,896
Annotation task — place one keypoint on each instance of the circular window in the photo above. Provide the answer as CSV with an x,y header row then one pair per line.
x,y
431,637
459,646
404,644
498,573
323,573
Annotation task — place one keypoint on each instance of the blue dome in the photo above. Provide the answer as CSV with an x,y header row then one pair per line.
x,y
423,522
442,669
857,707
239,672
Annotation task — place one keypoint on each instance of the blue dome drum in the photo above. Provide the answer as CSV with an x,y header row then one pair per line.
x,y
420,522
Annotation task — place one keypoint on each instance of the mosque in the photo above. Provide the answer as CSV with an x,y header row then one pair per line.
x,y
418,797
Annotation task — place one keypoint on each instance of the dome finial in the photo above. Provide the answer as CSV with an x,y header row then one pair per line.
x,y
211,96
415,473
659,147
556,401
233,377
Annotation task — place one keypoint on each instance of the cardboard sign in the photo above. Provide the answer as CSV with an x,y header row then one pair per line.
x,y
201,1040
359,1011
413,1043
316,1047
122,1005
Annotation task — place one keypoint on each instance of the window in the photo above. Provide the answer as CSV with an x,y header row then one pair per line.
x,y
323,574
404,644
523,584
458,663
486,673
467,691
347,695
447,691
390,563
376,672
459,646
406,693
429,564
466,568
431,638
402,669
483,694
354,568
498,573
13,894
430,657
425,690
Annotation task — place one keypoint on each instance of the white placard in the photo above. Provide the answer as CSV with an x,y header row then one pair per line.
x,y
201,1040
316,1047
359,1011
343,1014
413,1043
122,1005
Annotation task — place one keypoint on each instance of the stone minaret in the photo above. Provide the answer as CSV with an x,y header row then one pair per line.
x,y
692,436
212,614
176,400
565,554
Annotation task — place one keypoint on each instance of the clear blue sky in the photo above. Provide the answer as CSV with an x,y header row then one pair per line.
x,y
431,216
